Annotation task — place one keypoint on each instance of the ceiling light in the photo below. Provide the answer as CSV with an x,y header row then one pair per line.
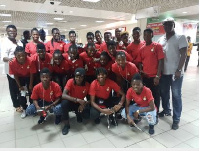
x,y
72,28
70,11
58,18
8,15
2,5
93,1
49,23
99,21
83,25
184,12
6,21
62,21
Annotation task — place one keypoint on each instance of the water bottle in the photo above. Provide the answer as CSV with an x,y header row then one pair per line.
x,y
173,77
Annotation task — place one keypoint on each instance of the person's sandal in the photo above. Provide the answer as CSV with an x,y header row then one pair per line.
x,y
19,109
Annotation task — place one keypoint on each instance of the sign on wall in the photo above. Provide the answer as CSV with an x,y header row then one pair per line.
x,y
157,28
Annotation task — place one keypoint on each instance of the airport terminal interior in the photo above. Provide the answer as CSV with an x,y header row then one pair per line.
x,y
83,16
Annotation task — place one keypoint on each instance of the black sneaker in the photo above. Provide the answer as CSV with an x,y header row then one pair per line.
x,y
65,130
164,113
175,125
119,117
41,120
79,118
113,120
138,120
151,129
58,119
97,120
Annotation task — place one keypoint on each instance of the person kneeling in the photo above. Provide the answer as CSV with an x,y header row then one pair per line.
x,y
46,96
73,96
143,106
101,99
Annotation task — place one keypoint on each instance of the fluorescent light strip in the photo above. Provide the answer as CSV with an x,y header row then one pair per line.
x,y
7,15
49,23
93,1
6,21
99,21
58,18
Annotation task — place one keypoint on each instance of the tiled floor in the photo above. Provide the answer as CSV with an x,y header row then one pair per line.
x,y
26,133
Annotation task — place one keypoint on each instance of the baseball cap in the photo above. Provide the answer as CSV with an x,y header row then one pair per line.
x,y
169,19
79,72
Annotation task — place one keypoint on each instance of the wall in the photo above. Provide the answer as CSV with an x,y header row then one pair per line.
x,y
82,33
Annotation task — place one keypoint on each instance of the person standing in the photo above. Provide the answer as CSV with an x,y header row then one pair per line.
x,y
150,59
189,51
134,47
175,47
7,54
42,35
27,36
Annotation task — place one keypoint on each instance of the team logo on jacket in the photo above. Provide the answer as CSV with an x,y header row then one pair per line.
x,y
144,98
61,45
28,67
51,93
128,74
108,89
152,49
84,91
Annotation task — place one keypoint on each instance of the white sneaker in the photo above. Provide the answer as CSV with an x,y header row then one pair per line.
x,y
23,115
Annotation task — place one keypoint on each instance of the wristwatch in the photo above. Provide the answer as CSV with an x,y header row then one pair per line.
x,y
157,76
179,70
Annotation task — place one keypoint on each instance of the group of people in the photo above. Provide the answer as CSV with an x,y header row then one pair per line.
x,y
112,76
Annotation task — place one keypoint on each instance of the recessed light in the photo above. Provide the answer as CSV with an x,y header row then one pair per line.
x,y
184,12
83,25
7,21
72,28
93,1
70,11
99,21
49,23
2,5
8,15
62,21
58,18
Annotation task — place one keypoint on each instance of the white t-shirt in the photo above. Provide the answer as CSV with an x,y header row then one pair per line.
x,y
171,49
7,50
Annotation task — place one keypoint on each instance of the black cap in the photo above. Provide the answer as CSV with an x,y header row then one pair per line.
x,y
80,72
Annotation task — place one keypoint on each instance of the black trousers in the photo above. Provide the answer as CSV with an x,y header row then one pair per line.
x,y
14,91
24,81
186,62
108,103
148,82
68,106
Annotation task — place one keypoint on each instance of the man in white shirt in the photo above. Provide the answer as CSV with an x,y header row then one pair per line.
x,y
7,54
175,48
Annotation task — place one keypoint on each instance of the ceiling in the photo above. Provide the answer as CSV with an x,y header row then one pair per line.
x,y
26,14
